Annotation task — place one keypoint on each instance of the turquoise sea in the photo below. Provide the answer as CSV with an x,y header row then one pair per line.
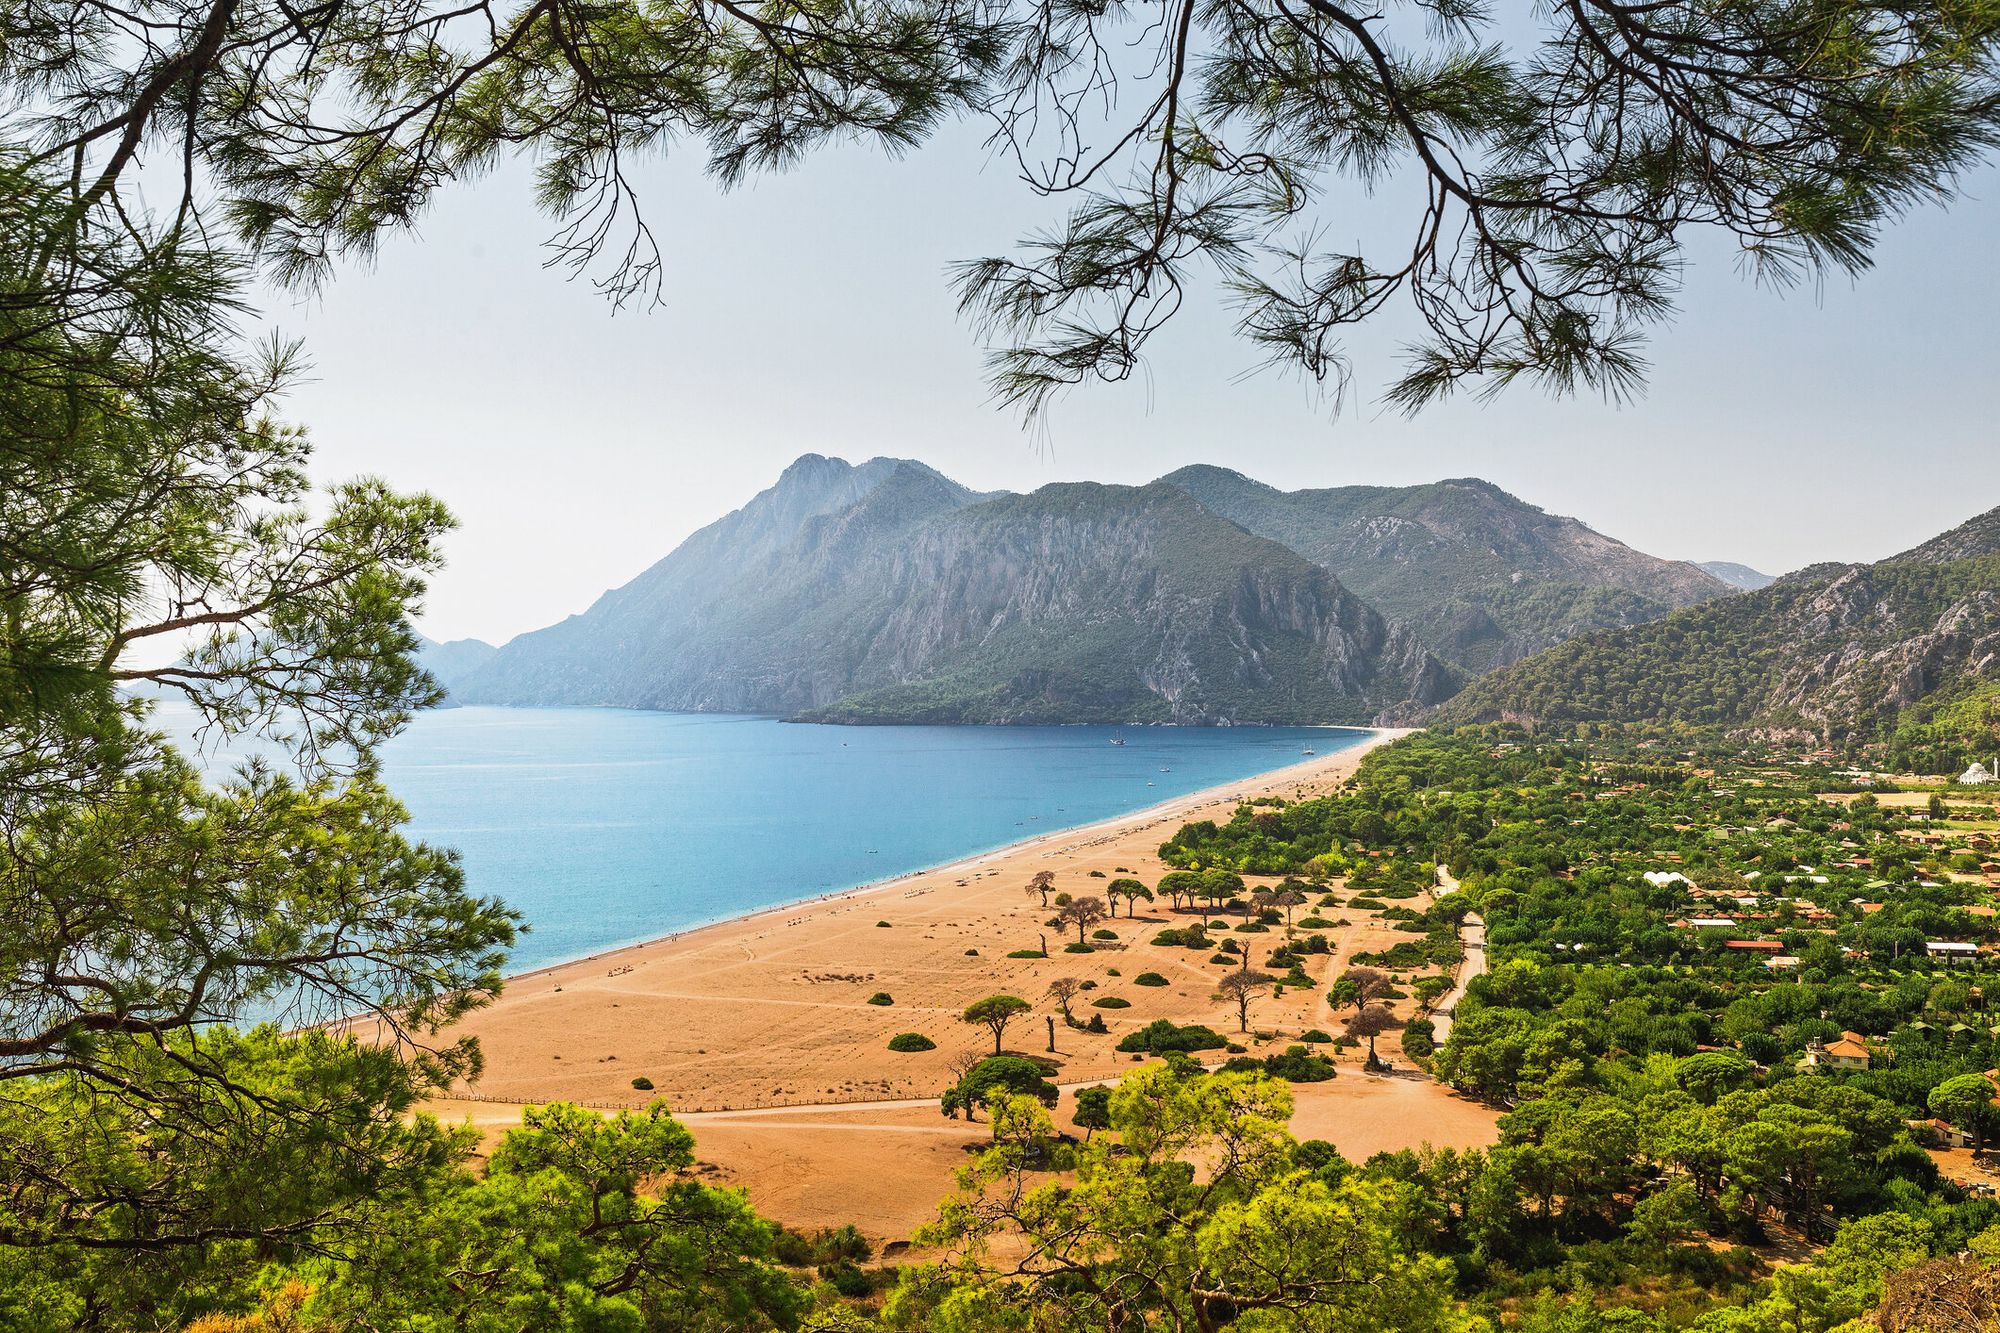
x,y
606,827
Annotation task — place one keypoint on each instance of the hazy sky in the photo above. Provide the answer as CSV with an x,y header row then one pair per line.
x,y
811,312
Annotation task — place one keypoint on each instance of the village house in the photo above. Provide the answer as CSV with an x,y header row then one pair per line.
x,y
1850,1052
1943,1132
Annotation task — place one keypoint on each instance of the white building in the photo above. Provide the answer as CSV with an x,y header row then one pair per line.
x,y
1976,776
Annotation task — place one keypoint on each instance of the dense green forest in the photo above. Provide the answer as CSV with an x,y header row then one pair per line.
x,y
1662,1106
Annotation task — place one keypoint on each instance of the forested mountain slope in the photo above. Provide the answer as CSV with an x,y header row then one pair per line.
x,y
1850,655
1484,577
889,593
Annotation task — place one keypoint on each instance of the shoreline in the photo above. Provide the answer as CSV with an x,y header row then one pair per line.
x,y
1373,738
770,1031
794,1003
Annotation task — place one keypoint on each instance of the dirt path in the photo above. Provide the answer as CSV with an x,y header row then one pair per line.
x,y
1471,938
884,1166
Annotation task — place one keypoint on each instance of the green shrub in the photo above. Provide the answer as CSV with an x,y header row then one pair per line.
x,y
642,1083
1096,1024
883,925
1315,1036
1314,923
1253,928
881,997
911,1041
1027,953
1150,979
1163,1035
1112,1002
847,1278
1113,972
1078,948
999,1073
1104,934
1299,1065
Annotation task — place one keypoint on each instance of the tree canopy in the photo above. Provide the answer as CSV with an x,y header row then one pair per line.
x,y
1540,176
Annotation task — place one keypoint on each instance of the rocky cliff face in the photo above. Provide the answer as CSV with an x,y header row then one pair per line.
x,y
1088,602
1863,650
1484,577
889,593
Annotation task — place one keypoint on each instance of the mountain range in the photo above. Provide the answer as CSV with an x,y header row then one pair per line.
x,y
1483,577
1903,654
887,592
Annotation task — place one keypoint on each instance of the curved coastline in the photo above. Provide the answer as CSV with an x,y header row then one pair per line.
x,y
1373,737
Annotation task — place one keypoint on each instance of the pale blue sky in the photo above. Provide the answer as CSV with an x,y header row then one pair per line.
x,y
811,312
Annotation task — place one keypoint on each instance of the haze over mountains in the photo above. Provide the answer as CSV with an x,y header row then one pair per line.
x,y
1737,576
887,592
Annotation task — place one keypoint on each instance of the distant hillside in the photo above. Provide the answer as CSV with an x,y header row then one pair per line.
x,y
1904,654
450,661
1735,575
887,592
1485,578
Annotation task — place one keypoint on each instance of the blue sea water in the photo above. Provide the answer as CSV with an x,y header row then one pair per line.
x,y
605,827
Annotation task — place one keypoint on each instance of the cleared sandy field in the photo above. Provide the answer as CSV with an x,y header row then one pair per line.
x,y
883,1168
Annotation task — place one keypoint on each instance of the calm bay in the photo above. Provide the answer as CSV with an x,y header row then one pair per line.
x,y
605,827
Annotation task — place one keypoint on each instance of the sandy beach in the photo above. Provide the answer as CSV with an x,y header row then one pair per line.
x,y
760,1031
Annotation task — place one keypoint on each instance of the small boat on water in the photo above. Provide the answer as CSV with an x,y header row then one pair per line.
x,y
1305,751
1117,740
